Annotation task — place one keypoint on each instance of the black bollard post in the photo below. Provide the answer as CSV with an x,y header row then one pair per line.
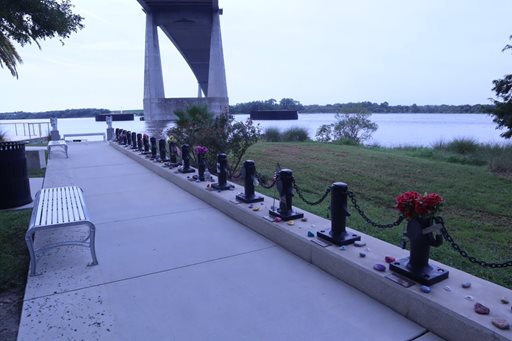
x,y
123,137
117,135
139,142
145,142
162,151
284,185
134,140
337,234
422,234
185,157
128,139
250,176
222,174
153,148
173,162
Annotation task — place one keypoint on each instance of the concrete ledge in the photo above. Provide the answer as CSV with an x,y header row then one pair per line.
x,y
445,311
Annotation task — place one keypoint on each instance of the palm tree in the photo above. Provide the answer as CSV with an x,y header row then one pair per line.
x,y
8,55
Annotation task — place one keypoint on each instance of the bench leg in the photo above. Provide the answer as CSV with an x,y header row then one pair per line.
x,y
29,239
92,238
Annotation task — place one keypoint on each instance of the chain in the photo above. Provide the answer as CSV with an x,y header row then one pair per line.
x,y
352,197
464,254
261,182
312,203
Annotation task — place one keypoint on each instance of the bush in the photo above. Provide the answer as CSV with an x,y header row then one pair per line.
x,y
462,146
354,128
220,134
272,134
295,134
3,137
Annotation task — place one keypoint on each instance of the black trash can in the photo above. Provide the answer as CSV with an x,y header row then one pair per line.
x,y
14,183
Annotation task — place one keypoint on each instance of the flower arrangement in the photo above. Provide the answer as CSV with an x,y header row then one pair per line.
x,y
171,139
415,206
201,150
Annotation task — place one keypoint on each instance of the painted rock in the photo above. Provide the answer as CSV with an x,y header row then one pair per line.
x,y
362,254
250,206
342,248
304,219
425,289
469,298
255,209
481,309
379,267
359,243
389,259
447,288
501,323
504,300
277,219
310,234
466,285
290,222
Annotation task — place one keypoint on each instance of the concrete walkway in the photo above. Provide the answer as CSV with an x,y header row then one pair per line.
x,y
173,268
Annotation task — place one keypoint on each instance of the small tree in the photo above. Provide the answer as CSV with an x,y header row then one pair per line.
x,y
221,134
503,108
353,128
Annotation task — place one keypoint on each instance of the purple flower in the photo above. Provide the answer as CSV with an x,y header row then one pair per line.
x,y
201,150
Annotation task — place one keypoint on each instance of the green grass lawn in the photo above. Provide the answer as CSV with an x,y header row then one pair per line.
x,y
478,204
14,257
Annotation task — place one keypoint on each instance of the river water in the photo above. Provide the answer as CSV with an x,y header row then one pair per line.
x,y
394,129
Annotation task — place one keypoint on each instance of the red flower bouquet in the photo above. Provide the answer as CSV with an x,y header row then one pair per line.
x,y
415,206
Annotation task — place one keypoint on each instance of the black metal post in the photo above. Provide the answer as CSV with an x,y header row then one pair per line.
x,y
222,173
123,137
250,176
338,234
145,141
153,148
162,151
139,142
416,266
185,158
285,187
117,135
128,139
173,162
134,140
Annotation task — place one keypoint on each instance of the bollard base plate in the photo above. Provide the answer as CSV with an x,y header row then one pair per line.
x,y
293,215
185,171
248,200
344,239
218,187
428,275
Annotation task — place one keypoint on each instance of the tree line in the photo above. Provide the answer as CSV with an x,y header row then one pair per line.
x,y
69,113
355,107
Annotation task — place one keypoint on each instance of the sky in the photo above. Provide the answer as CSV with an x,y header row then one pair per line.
x,y
317,52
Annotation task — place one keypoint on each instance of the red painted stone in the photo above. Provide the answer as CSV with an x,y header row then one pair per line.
x,y
501,323
481,309
389,259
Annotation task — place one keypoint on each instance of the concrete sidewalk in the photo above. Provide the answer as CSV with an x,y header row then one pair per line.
x,y
173,268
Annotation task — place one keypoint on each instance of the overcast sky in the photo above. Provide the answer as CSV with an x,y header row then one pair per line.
x,y
317,52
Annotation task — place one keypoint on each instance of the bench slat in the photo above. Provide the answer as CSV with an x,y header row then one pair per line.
x,y
60,218
41,199
80,203
65,205
73,204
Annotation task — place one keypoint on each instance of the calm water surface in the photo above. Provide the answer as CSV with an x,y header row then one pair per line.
x,y
394,129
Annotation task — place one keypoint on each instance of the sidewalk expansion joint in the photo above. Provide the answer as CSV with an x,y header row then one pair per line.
x,y
154,215
153,273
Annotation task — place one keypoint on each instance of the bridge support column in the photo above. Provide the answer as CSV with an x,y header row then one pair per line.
x,y
153,79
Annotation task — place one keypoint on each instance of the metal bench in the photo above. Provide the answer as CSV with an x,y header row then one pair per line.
x,y
59,143
55,208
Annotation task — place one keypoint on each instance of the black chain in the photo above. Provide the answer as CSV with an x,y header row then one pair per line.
x,y
464,254
352,197
312,203
262,183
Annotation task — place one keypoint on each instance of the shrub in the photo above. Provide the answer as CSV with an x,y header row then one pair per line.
x,y
462,146
3,136
355,127
220,134
295,134
272,134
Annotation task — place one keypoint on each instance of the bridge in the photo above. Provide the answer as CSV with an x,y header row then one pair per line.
x,y
193,26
